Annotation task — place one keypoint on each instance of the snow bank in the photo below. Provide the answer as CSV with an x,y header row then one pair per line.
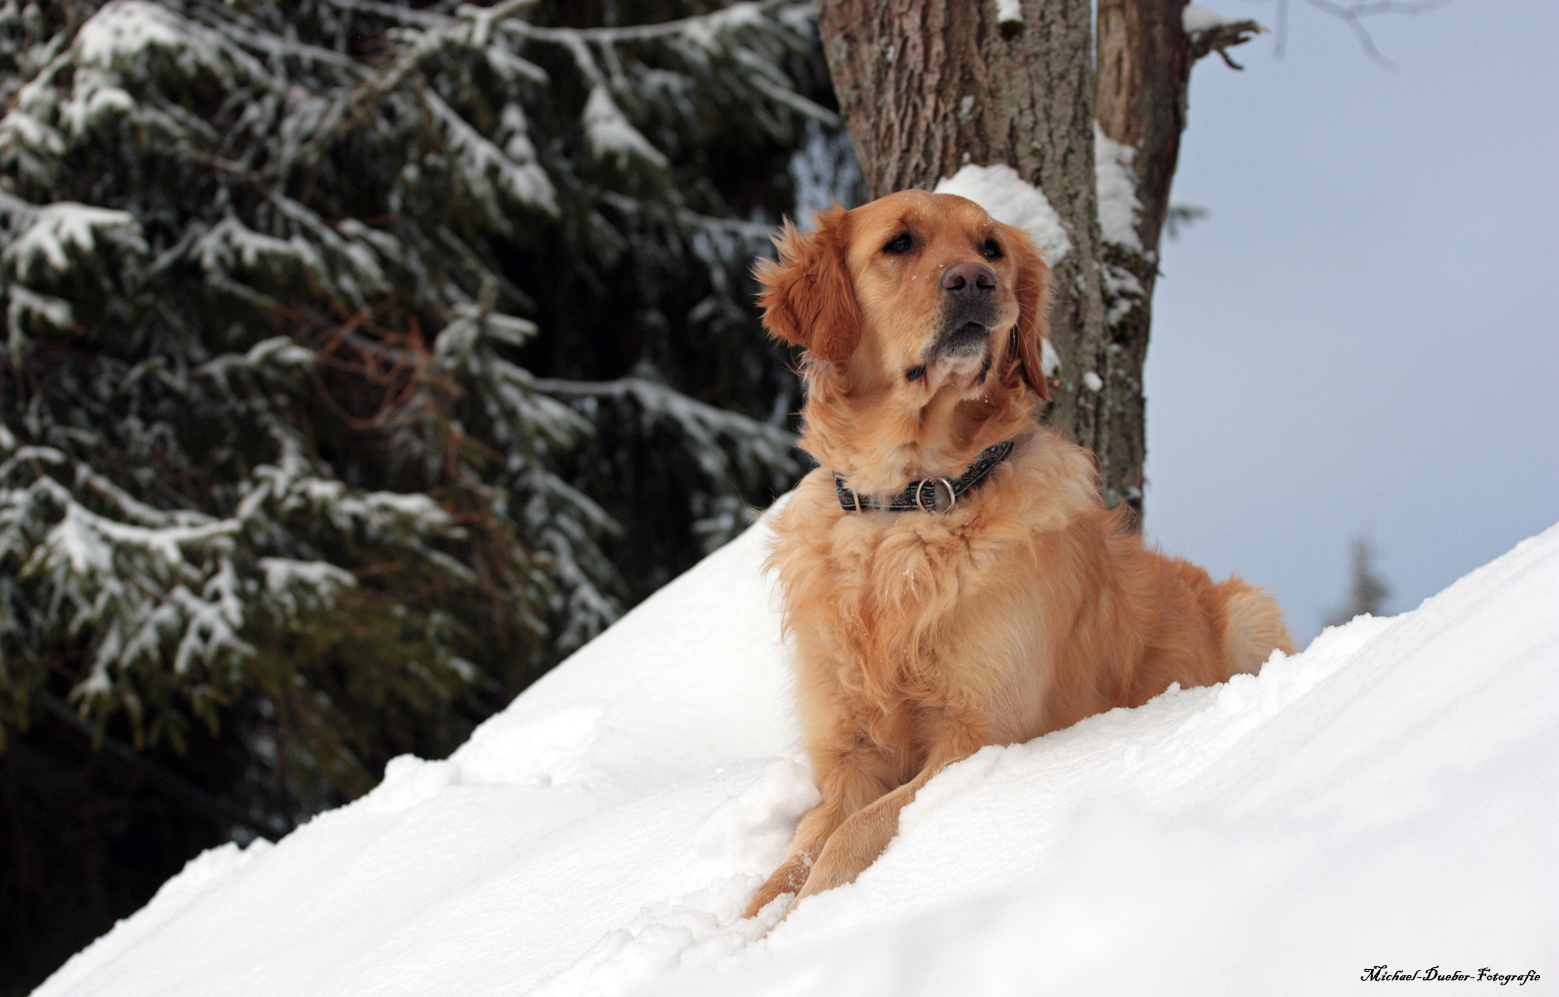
x,y
1386,798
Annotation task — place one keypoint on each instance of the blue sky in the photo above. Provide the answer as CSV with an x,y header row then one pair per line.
x,y
1363,335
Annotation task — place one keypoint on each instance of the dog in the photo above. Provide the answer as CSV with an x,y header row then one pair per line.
x,y
950,576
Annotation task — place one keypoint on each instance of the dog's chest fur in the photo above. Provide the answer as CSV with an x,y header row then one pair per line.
x,y
882,596
905,614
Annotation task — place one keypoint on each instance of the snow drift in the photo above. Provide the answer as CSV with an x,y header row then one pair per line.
x,y
1385,799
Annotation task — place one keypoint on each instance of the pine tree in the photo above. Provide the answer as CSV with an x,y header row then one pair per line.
x,y
361,359
1367,590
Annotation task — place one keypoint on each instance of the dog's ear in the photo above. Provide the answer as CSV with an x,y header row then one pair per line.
x,y
1033,287
807,297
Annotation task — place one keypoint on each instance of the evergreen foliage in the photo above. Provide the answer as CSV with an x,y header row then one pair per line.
x,y
361,359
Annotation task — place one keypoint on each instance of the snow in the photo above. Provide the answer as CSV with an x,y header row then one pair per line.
x,y
999,190
58,228
1009,198
1117,190
1194,19
1049,359
281,573
1122,290
87,541
485,167
20,129
1387,797
281,351
45,308
121,31
610,136
1009,12
705,31
93,97
231,247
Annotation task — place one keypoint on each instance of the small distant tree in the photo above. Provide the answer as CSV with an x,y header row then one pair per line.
x,y
1367,590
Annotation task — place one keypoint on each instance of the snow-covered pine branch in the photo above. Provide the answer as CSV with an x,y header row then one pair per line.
x,y
274,462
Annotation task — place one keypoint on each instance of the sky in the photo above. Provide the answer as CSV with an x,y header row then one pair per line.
x,y
1362,336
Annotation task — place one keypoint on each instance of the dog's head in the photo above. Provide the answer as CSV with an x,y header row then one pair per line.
x,y
912,294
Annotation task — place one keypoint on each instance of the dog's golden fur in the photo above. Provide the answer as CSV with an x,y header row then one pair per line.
x,y
922,636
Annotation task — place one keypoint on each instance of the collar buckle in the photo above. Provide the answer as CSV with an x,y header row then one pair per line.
x,y
924,495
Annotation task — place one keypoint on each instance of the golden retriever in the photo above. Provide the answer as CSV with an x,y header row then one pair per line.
x,y
935,610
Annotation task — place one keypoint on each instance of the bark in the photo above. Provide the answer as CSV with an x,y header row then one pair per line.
x,y
929,87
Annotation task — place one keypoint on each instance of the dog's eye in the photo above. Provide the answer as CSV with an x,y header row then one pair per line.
x,y
991,250
900,244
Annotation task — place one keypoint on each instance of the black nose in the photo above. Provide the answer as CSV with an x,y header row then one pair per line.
x,y
969,280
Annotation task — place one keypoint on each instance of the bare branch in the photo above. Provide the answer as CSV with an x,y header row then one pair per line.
x,y
1353,14
1180,217
1223,36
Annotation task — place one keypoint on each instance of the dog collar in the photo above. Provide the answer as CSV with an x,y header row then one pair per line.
x,y
929,494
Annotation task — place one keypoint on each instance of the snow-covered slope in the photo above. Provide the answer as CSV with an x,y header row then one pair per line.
x,y
1389,797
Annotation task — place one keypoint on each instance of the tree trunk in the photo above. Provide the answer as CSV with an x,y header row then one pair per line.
x,y
929,88
1143,70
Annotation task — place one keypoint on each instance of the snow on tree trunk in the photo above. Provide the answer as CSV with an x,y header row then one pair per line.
x,y
1144,58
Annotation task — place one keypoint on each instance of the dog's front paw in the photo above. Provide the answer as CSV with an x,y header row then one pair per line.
x,y
770,911
789,878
